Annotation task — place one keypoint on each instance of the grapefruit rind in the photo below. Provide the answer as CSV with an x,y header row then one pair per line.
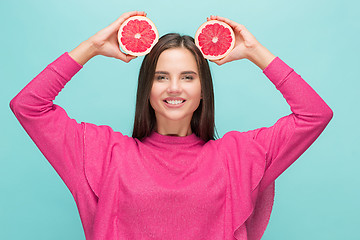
x,y
142,52
198,44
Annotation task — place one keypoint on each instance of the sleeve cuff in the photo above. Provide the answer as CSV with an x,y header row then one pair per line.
x,y
277,71
66,66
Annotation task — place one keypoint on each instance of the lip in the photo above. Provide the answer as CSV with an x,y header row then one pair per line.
x,y
174,99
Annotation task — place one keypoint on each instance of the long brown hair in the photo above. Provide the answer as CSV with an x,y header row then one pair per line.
x,y
202,122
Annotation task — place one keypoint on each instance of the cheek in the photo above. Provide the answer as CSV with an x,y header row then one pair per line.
x,y
152,99
154,95
197,92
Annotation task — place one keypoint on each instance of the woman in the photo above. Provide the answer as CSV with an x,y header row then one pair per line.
x,y
171,180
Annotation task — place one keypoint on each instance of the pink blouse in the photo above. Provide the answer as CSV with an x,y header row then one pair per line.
x,y
168,187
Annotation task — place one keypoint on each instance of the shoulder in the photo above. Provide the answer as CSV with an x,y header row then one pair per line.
x,y
235,141
104,135
239,136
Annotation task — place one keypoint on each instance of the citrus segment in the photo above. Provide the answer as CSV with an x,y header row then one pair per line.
x,y
215,39
137,35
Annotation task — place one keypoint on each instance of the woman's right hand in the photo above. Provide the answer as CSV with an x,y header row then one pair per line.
x,y
106,40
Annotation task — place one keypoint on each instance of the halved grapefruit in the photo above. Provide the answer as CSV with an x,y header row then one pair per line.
x,y
215,39
137,35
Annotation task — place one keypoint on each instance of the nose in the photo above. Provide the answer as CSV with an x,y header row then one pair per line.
x,y
174,86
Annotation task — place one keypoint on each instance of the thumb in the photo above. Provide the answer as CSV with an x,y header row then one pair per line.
x,y
222,60
118,54
129,57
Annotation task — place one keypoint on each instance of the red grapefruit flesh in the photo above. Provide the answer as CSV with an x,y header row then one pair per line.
x,y
215,39
137,35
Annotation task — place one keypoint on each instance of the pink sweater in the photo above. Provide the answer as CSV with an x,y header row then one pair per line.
x,y
168,187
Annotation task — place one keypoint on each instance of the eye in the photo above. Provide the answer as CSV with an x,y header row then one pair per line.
x,y
161,77
188,77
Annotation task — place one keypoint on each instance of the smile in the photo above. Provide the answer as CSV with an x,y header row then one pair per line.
x,y
174,102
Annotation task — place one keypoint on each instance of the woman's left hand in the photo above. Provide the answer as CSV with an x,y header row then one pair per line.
x,y
246,45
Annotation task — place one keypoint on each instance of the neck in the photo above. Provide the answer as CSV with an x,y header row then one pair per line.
x,y
173,128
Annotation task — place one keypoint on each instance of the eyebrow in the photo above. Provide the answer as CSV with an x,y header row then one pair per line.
x,y
185,72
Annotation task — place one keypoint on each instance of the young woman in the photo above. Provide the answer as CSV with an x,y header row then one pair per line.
x,y
172,179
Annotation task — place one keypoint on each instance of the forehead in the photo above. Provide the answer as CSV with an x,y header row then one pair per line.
x,y
176,60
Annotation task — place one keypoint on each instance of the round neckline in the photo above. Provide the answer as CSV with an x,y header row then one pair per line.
x,y
174,139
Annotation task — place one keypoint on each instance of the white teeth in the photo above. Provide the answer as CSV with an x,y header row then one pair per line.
x,y
174,101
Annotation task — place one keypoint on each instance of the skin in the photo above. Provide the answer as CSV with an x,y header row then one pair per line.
x,y
176,76
246,46
170,122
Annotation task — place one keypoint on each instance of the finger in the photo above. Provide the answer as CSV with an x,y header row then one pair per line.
x,y
120,55
236,26
214,61
223,60
212,17
130,57
126,57
125,16
245,33
132,13
219,61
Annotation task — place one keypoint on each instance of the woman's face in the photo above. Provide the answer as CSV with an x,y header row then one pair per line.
x,y
176,90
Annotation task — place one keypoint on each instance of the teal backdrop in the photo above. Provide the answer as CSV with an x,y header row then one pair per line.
x,y
316,198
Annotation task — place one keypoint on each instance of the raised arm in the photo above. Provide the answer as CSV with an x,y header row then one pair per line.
x,y
104,42
291,135
58,137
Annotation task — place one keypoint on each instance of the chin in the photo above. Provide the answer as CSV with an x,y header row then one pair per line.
x,y
173,117
176,118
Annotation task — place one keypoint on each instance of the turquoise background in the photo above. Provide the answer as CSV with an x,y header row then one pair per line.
x,y
316,198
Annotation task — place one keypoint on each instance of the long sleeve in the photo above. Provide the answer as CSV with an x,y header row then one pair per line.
x,y
256,158
57,136
291,135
